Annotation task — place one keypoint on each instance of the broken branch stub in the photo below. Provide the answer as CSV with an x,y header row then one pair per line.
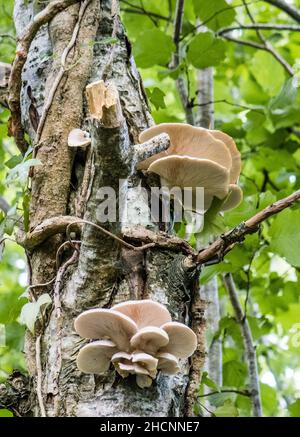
x,y
104,103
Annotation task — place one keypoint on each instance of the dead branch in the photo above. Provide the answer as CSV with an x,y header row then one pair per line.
x,y
15,80
227,241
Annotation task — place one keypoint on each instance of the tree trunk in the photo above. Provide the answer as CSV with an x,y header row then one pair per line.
x,y
96,272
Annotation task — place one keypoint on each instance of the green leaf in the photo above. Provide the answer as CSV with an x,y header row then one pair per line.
x,y
282,102
156,97
153,47
209,382
214,13
234,373
20,171
290,317
228,409
268,73
31,311
285,236
269,399
6,413
294,408
205,50
13,161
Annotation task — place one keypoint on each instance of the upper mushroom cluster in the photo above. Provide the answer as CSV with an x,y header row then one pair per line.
x,y
137,337
197,157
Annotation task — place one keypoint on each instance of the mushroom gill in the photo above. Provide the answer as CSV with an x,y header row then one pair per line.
x,y
197,157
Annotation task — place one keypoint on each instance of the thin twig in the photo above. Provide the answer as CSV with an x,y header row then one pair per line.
x,y
57,311
259,26
8,36
268,46
39,375
108,233
248,345
227,102
239,392
226,242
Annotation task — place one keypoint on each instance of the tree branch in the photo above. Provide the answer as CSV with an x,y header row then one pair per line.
x,y
289,9
248,345
180,83
15,80
259,26
225,390
227,241
268,46
213,253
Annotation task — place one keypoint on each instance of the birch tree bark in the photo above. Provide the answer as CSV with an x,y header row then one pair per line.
x,y
95,271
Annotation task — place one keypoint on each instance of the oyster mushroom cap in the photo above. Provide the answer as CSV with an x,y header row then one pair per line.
x,y
234,197
144,312
124,369
95,357
182,340
146,360
167,363
121,357
105,323
149,339
184,171
235,154
187,140
79,138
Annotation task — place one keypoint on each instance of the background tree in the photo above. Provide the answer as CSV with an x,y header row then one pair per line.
x,y
255,99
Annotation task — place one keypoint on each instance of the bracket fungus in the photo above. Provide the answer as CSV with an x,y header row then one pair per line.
x,y
79,138
197,157
137,337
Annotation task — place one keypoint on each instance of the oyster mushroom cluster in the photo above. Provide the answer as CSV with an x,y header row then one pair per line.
x,y
137,337
197,157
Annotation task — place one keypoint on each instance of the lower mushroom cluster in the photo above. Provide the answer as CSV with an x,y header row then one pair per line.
x,y
137,337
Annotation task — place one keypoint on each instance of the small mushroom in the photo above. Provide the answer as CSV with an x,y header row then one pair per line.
x,y
149,339
184,171
233,199
182,340
144,312
167,363
147,361
95,357
187,140
104,323
79,138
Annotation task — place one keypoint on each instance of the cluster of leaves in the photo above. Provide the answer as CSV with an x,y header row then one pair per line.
x,y
257,103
